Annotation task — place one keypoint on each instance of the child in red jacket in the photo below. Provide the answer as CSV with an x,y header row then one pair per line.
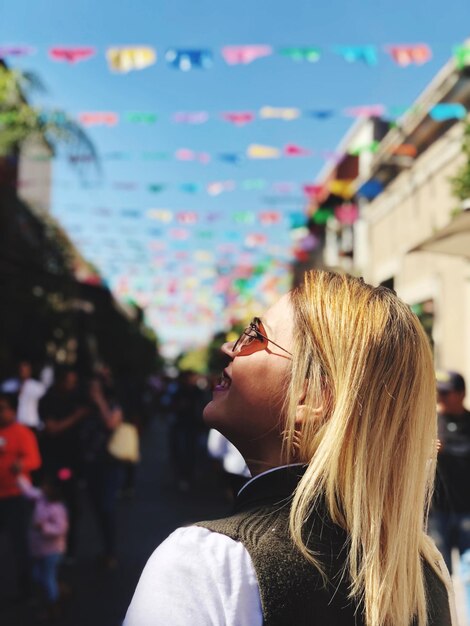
x,y
19,454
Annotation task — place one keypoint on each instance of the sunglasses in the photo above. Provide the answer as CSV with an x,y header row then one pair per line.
x,y
253,339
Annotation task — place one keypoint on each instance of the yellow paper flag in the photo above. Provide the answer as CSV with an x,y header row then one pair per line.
x,y
124,60
342,188
255,151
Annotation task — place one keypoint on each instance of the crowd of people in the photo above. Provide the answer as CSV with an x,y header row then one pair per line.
x,y
55,437
58,439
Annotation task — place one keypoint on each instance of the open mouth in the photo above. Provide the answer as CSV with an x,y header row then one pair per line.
x,y
224,382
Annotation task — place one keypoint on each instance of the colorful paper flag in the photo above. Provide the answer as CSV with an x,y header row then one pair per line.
x,y
320,114
72,55
196,117
321,216
269,217
127,59
187,217
233,158
370,189
461,56
342,188
351,54
347,213
276,113
447,111
138,117
235,55
156,188
239,118
284,187
405,149
302,53
293,150
372,147
218,187
369,110
156,156
102,118
254,184
162,215
190,187
405,55
256,151
16,51
186,60
243,217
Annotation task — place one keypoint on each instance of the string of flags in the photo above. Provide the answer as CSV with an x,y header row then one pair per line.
x,y
124,59
440,112
282,189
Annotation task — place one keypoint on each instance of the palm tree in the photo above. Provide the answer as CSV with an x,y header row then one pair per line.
x,y
19,121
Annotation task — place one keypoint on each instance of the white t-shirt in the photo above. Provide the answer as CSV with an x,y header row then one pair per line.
x,y
197,576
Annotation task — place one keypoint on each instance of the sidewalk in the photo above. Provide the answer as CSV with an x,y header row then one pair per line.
x,y
100,597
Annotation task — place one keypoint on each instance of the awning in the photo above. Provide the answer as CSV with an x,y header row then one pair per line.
x,y
453,239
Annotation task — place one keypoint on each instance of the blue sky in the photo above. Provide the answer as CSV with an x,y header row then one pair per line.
x,y
193,304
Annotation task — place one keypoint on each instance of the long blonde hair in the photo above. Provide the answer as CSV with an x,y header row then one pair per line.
x,y
363,365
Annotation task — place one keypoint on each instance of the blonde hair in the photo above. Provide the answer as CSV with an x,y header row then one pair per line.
x,y
361,355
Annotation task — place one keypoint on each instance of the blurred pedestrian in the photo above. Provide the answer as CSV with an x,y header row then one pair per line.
x,y
103,472
62,411
30,390
185,427
48,536
330,399
19,454
450,519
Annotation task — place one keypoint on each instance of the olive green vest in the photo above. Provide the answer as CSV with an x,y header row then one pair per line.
x,y
292,591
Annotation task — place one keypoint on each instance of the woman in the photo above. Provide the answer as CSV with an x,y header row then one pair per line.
x,y
331,400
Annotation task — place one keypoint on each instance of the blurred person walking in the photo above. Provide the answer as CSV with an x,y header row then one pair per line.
x,y
450,519
48,537
62,411
30,391
19,454
103,473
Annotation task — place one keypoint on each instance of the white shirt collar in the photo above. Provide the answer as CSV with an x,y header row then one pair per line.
x,y
269,471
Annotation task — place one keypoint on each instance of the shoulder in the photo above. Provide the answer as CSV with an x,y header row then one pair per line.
x,y
206,575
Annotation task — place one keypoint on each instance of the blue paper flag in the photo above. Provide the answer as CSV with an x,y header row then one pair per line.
x,y
186,60
447,111
351,54
371,189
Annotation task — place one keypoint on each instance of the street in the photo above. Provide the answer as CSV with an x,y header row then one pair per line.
x,y
100,597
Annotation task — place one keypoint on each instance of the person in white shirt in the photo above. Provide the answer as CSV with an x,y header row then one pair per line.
x,y
29,391
330,398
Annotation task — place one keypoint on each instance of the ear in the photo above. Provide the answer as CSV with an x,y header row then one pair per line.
x,y
304,412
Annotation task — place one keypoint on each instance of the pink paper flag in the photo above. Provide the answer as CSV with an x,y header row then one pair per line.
x,y
218,187
71,55
370,110
405,55
183,154
239,118
269,217
296,151
186,217
104,118
235,55
314,191
347,213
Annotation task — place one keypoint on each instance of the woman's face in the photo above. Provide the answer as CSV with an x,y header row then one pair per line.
x,y
246,405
